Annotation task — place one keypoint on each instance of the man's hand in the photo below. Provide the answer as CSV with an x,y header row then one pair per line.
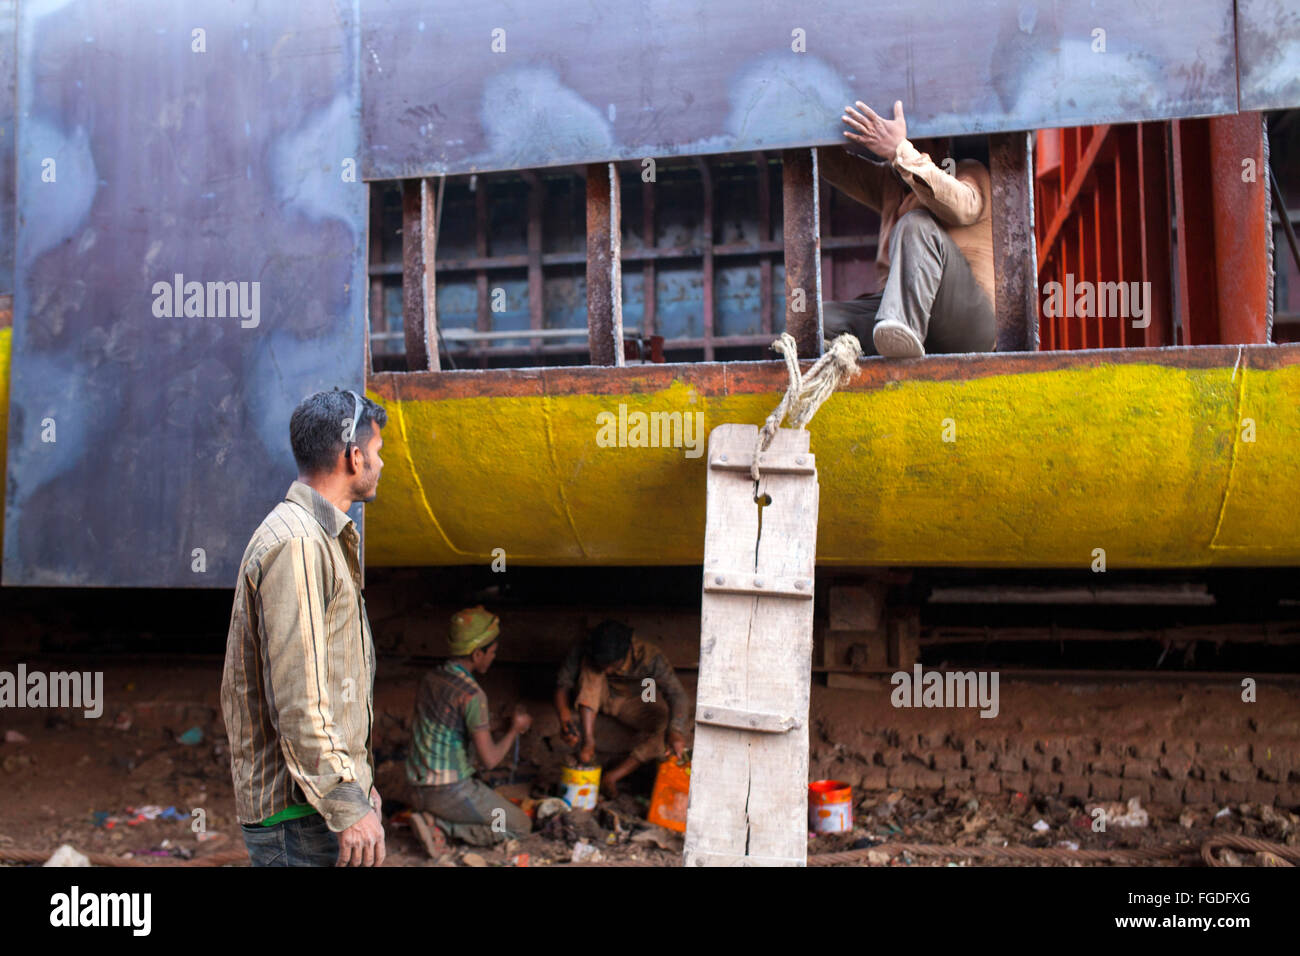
x,y
588,752
362,844
377,802
876,133
677,744
569,731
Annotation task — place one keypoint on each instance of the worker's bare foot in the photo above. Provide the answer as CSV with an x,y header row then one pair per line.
x,y
431,835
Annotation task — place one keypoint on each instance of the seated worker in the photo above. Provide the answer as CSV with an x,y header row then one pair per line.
x,y
450,710
934,255
609,669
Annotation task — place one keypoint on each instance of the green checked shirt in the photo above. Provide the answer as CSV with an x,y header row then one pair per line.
x,y
449,707
297,691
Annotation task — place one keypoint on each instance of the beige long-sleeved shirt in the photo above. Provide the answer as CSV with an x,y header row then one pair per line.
x,y
297,691
962,203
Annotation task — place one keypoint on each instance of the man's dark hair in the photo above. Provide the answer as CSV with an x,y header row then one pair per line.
x,y
318,425
608,643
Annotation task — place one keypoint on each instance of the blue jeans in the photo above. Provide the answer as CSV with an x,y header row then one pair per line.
x,y
306,841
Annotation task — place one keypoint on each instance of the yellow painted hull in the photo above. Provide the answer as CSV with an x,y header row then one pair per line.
x,y
1145,455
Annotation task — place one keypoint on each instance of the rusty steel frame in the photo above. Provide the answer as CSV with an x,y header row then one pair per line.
x,y
535,260
800,214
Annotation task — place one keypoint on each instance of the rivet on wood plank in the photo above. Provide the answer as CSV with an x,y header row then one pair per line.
x,y
708,715
758,582
722,458
719,579
801,584
799,460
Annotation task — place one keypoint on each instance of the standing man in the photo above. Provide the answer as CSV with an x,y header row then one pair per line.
x,y
618,674
934,255
451,709
297,692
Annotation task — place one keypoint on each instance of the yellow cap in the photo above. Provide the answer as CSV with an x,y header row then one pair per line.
x,y
472,628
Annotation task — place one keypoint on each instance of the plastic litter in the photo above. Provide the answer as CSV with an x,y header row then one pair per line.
x,y
192,736
1042,826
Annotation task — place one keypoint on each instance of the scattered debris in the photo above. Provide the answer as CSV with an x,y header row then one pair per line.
x,y
661,837
191,737
584,852
473,859
1042,826
14,737
67,856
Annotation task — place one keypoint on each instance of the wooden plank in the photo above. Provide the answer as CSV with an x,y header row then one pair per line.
x,y
904,638
747,720
749,791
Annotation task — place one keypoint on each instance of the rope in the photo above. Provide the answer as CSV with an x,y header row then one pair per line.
x,y
1020,854
225,858
1283,855
1045,855
806,393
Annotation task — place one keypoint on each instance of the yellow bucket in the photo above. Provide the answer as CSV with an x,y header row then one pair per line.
x,y
580,786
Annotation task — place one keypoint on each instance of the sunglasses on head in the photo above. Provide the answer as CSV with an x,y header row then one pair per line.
x,y
356,417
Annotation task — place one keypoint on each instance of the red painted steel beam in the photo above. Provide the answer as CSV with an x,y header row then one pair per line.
x,y
1154,230
1198,297
1241,226
1078,173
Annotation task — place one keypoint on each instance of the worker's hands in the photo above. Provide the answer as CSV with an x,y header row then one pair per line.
x,y
876,133
569,731
588,752
362,844
676,744
521,721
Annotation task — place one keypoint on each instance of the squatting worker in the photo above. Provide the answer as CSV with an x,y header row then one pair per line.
x,y
450,710
934,257
300,664
618,674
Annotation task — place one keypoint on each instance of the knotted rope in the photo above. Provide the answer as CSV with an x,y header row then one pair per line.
x,y
806,393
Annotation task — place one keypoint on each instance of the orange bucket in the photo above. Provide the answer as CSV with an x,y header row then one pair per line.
x,y
669,798
830,806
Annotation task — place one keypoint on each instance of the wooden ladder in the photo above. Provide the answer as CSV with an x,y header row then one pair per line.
x,y
749,773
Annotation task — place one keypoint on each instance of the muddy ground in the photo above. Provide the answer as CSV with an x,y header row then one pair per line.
x,y
159,751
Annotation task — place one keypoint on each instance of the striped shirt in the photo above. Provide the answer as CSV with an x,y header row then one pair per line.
x,y
297,690
450,707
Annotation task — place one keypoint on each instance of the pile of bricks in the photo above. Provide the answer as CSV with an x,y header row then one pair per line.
x,y
1080,767
1163,745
